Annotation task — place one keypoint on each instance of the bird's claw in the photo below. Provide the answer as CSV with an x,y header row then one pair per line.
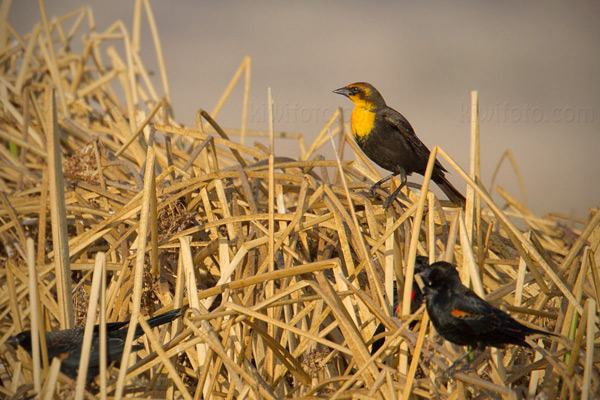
x,y
388,201
450,371
374,189
453,369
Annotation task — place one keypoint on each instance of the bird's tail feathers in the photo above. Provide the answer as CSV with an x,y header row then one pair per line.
x,y
560,338
165,317
449,190
159,320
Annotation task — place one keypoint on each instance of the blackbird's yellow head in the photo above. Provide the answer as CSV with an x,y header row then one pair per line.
x,y
363,95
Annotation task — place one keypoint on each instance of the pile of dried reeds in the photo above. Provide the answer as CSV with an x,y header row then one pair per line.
x,y
287,266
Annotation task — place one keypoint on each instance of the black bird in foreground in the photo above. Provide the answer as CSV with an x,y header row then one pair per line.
x,y
416,299
387,138
463,318
66,344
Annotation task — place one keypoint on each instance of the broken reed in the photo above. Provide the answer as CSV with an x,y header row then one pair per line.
x,y
287,265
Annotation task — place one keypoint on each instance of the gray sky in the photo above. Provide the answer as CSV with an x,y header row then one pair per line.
x,y
536,65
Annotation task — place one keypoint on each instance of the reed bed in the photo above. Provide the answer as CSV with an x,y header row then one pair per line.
x,y
112,210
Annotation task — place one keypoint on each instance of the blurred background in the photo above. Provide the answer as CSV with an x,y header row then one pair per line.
x,y
536,65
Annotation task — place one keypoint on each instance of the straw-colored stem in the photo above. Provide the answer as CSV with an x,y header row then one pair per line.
x,y
588,369
159,52
156,345
474,165
58,214
89,325
139,129
412,251
415,360
52,64
36,328
138,270
48,389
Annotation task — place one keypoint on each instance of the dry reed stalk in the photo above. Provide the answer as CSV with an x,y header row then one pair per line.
x,y
173,374
37,330
51,379
147,193
287,272
58,212
89,325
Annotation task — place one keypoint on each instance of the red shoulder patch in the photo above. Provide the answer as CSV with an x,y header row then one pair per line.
x,y
459,313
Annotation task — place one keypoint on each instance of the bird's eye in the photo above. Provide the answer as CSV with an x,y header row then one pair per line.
x,y
355,90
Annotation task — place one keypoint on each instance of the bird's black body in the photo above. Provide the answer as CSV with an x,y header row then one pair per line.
x,y
66,344
387,138
393,145
462,317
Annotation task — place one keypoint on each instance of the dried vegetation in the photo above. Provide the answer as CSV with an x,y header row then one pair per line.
x,y
286,265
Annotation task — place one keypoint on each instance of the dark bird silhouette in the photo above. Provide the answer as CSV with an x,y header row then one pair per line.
x,y
463,318
416,299
66,344
387,138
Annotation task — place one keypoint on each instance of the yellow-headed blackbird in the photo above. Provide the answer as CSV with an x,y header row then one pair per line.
x,y
462,317
387,138
66,344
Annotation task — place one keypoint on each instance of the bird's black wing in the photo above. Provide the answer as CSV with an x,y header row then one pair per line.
x,y
493,326
111,326
475,312
114,352
397,120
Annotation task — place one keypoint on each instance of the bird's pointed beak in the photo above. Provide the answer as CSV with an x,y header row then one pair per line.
x,y
423,271
421,264
344,91
12,342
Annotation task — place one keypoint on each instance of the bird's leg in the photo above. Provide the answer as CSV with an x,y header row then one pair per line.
x,y
450,370
390,199
377,185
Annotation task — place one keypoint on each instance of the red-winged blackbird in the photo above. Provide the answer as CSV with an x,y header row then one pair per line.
x,y
416,299
462,317
387,138
66,344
